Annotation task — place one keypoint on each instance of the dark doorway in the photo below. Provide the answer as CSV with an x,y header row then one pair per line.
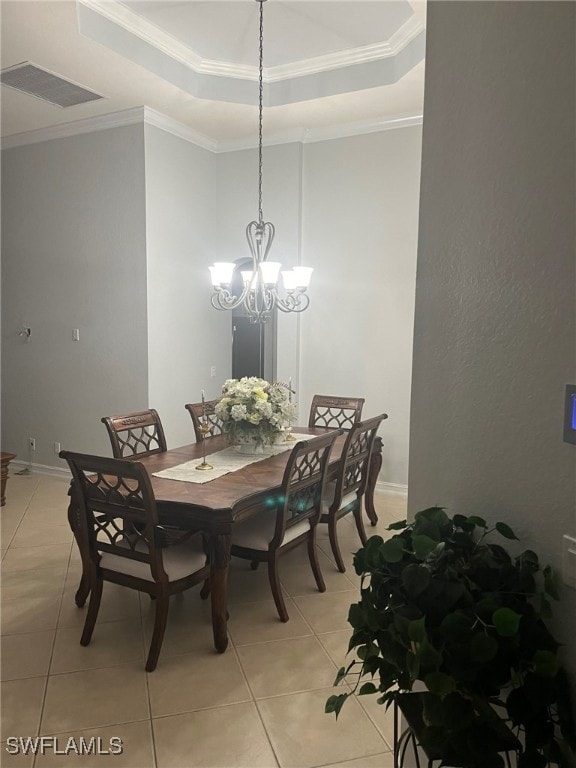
x,y
253,344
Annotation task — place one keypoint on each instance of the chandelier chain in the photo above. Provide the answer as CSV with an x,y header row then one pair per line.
x,y
260,296
260,100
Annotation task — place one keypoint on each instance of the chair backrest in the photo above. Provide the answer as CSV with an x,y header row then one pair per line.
x,y
117,510
355,461
199,411
335,412
303,483
135,434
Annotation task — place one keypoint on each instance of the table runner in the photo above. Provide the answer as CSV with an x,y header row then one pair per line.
x,y
225,461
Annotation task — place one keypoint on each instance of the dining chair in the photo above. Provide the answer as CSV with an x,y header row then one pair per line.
x,y
335,412
131,435
124,543
135,434
345,494
201,411
289,519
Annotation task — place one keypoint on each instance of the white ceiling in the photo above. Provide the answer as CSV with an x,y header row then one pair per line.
x,y
340,66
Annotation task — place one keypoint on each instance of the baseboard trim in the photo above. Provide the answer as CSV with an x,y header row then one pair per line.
x,y
392,489
40,469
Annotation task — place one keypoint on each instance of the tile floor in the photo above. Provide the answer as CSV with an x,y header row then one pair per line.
x,y
259,704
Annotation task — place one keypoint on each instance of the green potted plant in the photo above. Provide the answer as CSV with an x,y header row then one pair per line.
x,y
447,609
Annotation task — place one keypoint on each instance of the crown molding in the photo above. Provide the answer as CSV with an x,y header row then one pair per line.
x,y
350,57
75,128
312,135
149,116
170,46
157,119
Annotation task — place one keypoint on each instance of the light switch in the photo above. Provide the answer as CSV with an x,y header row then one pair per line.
x,y
76,334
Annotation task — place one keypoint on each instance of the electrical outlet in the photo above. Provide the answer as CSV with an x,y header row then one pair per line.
x,y
212,371
32,443
569,561
56,447
76,334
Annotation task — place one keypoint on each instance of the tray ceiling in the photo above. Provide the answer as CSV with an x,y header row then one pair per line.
x,y
329,64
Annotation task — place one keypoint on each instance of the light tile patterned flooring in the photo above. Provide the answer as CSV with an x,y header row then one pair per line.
x,y
259,704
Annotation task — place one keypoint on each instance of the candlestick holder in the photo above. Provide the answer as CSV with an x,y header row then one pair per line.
x,y
289,437
205,428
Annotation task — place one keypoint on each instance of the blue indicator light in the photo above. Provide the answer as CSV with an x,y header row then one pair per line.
x,y
573,411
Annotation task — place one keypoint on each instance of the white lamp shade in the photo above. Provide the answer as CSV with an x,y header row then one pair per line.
x,y
222,272
289,279
270,271
248,277
303,275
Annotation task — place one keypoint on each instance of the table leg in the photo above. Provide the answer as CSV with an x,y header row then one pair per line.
x,y
375,467
220,560
84,587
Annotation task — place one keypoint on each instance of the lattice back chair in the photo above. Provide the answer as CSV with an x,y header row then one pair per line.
x,y
335,412
124,543
135,434
197,414
345,495
291,518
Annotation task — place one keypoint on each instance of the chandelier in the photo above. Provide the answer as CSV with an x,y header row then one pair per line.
x,y
260,293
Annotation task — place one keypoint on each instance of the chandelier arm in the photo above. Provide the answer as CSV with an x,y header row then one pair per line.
x,y
223,299
293,302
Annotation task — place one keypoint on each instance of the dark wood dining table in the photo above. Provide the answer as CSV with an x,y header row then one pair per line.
x,y
215,506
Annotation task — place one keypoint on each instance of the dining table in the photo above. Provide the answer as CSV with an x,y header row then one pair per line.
x,y
214,507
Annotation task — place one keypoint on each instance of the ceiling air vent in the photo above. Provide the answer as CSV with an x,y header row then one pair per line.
x,y
29,78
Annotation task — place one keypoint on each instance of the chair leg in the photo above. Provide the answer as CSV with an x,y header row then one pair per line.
x,y
276,589
96,584
205,591
254,564
313,555
360,523
160,620
332,522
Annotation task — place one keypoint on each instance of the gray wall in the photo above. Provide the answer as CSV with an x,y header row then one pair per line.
x,y
186,336
125,222
73,256
494,337
360,223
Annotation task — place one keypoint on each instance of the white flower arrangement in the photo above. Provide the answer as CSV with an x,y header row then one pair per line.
x,y
253,409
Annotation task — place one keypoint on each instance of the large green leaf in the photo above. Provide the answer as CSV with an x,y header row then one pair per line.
x,y
439,683
529,560
478,521
550,583
397,526
334,703
367,688
506,531
506,622
415,579
457,626
545,663
428,655
483,648
423,545
357,616
392,550
417,630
